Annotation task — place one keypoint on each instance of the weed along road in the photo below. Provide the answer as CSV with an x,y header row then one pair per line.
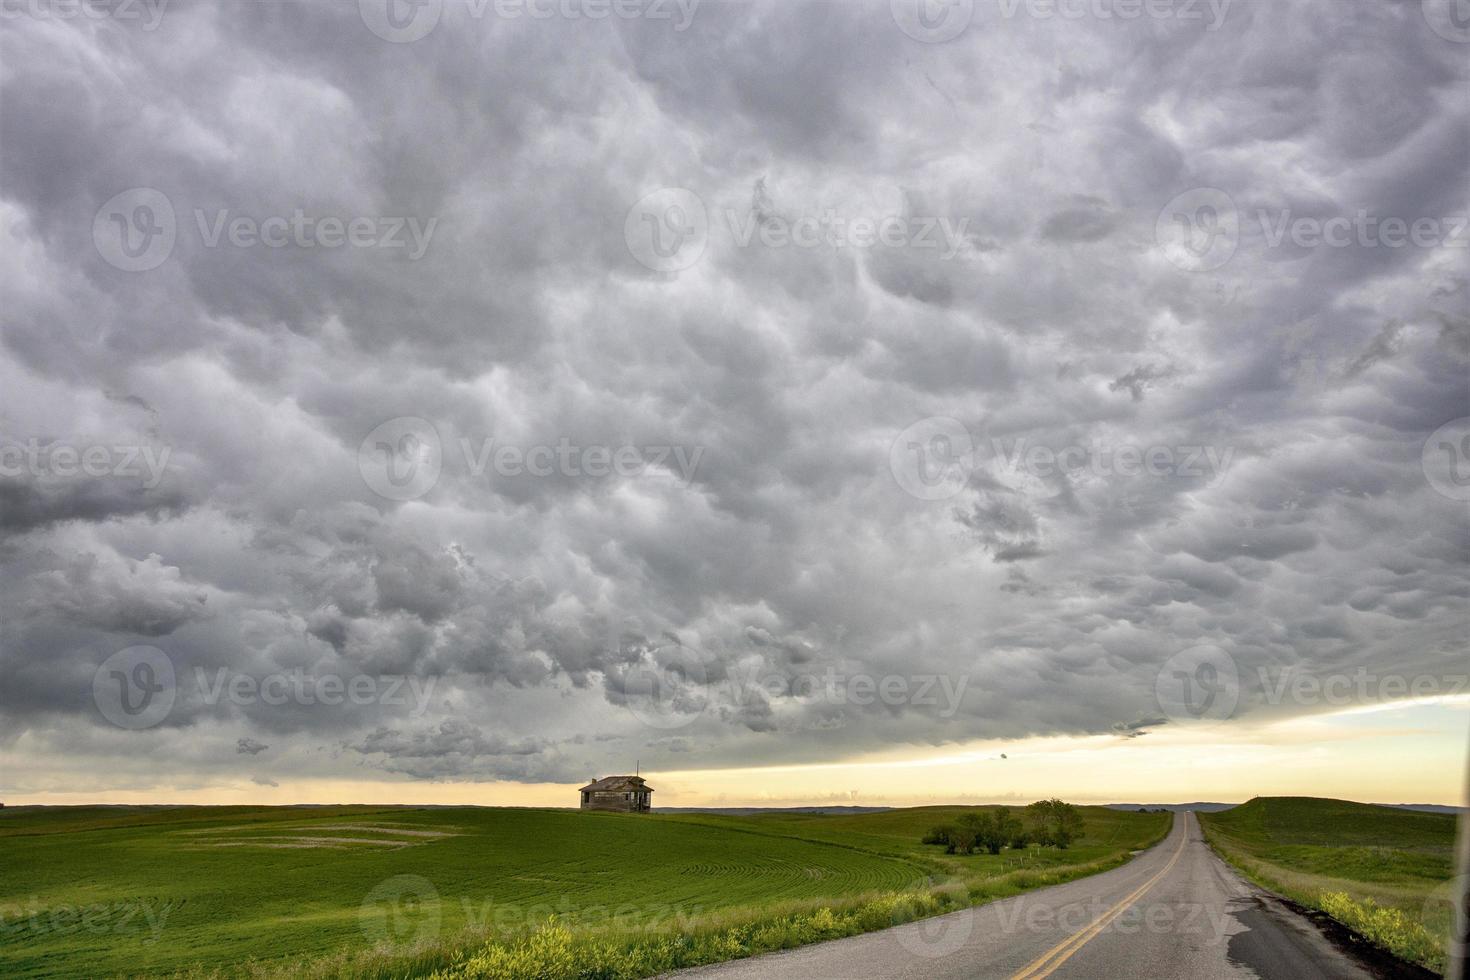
x,y
1175,911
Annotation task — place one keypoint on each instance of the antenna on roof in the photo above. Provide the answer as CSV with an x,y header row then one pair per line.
x,y
638,771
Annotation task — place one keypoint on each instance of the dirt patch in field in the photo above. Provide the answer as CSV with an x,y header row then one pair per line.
x,y
400,831
312,835
308,842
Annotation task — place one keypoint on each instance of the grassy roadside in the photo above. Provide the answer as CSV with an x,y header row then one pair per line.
x,y
556,952
468,893
1381,872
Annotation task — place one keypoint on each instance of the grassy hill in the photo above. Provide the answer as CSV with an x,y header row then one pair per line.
x,y
1382,871
897,831
327,891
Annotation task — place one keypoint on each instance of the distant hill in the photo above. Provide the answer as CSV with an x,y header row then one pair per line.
x,y
746,811
1218,807
1174,807
1426,808
1273,822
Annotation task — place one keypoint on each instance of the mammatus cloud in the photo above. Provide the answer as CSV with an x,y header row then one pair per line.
x,y
505,398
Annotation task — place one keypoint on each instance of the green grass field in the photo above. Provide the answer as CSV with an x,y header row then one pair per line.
x,y
398,891
1383,872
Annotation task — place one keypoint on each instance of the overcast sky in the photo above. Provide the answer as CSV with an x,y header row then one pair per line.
x,y
442,393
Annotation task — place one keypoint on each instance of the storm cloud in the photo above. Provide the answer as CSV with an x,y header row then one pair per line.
x,y
431,396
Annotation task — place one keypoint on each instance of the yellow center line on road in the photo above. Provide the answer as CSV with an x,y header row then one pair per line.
x,y
1046,964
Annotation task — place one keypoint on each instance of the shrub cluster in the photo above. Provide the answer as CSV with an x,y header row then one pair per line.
x,y
1050,823
991,830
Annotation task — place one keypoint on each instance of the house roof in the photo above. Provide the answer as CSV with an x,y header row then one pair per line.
x,y
617,784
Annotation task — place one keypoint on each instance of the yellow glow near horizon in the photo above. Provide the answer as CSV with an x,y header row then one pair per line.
x,y
1406,752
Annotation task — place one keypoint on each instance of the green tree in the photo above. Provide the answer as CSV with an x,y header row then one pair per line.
x,y
992,829
978,825
1068,823
938,835
962,837
1038,819
1008,829
982,826
1054,823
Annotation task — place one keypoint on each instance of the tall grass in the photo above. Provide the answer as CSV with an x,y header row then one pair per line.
x,y
1388,928
559,953
557,950
1364,907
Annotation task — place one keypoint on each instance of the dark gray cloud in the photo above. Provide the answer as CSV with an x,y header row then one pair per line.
x,y
28,505
543,627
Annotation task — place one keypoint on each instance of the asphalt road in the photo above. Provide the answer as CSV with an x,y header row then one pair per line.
x,y
1175,911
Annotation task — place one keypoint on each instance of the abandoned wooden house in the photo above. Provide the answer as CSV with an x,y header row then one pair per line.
x,y
626,793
